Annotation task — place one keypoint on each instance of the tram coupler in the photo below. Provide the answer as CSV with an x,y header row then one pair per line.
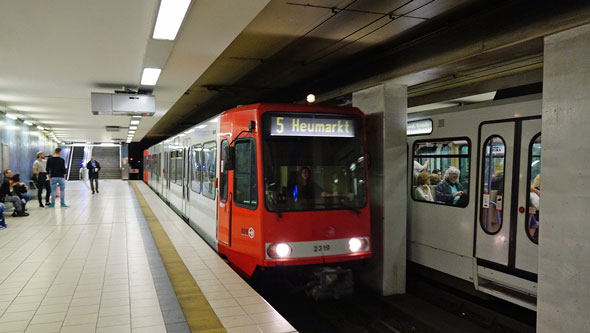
x,y
331,283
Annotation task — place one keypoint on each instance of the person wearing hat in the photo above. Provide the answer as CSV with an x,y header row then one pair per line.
x,y
40,171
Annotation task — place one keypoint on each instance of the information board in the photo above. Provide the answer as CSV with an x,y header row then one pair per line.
x,y
312,126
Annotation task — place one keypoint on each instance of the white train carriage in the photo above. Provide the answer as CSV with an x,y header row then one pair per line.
x,y
193,197
488,235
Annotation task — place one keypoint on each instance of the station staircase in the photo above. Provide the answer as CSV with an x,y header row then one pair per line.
x,y
77,159
108,157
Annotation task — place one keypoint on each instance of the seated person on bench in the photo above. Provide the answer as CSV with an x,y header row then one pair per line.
x,y
7,194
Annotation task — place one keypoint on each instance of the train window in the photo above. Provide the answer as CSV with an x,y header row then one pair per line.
x,y
245,180
313,171
196,152
492,192
223,172
440,171
208,169
172,167
534,185
178,168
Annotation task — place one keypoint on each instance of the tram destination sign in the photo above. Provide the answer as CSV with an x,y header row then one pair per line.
x,y
312,126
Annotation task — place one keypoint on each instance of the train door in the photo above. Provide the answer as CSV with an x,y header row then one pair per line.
x,y
225,198
186,177
502,243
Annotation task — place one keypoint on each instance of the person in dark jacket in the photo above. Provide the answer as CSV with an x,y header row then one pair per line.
x,y
450,190
56,168
93,170
7,194
21,190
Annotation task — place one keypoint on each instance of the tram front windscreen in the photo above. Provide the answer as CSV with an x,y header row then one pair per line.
x,y
313,162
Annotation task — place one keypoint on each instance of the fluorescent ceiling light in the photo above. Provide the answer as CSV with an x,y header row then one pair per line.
x,y
28,123
135,122
132,127
11,116
40,127
214,120
201,126
131,132
135,116
170,16
150,76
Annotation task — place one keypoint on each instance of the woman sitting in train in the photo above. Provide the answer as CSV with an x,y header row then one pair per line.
x,y
422,192
450,190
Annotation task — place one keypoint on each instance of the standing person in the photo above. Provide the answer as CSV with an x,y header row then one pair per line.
x,y
40,169
93,169
56,167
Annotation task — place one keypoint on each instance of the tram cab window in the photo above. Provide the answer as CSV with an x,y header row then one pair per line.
x,y
196,152
209,169
245,179
440,171
534,179
493,168
313,171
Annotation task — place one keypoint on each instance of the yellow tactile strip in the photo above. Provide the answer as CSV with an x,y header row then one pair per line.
x,y
197,311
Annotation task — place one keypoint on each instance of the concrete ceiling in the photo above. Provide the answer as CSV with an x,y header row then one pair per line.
x,y
228,52
53,54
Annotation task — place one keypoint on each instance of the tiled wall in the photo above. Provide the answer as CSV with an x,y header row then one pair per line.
x,y
22,143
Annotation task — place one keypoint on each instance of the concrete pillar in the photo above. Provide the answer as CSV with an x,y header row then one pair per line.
x,y
564,242
386,109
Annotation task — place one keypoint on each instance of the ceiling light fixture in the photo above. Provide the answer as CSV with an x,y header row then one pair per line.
x,y
40,127
132,127
150,76
135,122
170,17
135,116
12,116
28,123
201,126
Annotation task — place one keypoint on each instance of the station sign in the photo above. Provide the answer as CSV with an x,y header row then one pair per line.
x,y
312,126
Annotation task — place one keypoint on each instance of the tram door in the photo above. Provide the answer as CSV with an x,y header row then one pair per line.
x,y
166,174
225,198
501,238
186,177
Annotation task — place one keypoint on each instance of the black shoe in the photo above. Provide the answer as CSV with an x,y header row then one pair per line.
x,y
14,214
22,214
92,192
48,203
41,204
96,191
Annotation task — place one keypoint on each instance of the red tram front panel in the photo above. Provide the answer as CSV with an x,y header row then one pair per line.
x,y
146,164
298,190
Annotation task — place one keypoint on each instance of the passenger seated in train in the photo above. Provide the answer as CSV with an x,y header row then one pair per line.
x,y
535,198
422,191
435,177
450,190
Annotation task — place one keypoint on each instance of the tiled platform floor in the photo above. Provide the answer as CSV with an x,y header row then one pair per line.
x,y
87,269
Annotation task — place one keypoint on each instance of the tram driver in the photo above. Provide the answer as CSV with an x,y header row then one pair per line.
x,y
450,191
305,188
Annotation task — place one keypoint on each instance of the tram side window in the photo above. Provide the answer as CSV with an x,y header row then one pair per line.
x,y
196,152
246,191
172,166
178,169
493,167
223,172
209,169
440,171
534,179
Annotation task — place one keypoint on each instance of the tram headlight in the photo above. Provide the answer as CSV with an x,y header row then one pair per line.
x,y
357,244
280,250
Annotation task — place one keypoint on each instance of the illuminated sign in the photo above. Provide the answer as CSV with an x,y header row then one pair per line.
x,y
418,127
312,126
